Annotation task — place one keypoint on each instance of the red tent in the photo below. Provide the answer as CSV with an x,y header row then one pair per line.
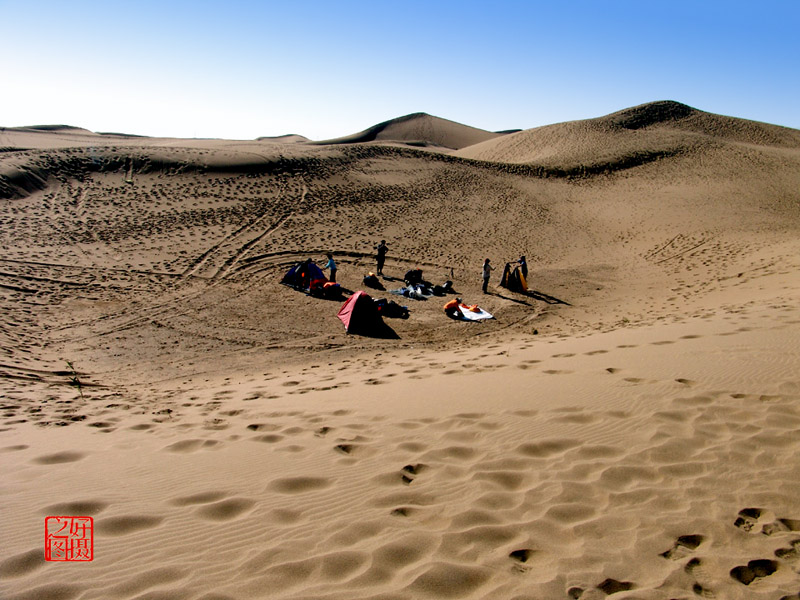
x,y
359,314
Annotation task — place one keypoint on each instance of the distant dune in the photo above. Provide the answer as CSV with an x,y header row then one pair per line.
x,y
54,128
658,128
419,129
289,138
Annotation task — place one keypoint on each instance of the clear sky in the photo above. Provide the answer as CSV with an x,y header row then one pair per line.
x,y
243,69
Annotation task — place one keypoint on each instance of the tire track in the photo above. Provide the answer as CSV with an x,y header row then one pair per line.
x,y
244,250
197,267
651,255
679,254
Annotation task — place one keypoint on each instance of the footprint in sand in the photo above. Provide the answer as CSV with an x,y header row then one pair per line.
x,y
781,526
15,448
613,586
141,427
269,438
59,457
187,446
459,581
126,524
345,448
755,569
461,453
520,557
683,546
748,519
22,564
576,418
409,472
263,427
78,507
546,448
225,510
790,553
298,485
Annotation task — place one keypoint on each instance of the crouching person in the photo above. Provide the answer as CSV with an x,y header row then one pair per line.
x,y
453,309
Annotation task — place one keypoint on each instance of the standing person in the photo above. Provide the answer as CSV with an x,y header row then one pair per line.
x,y
332,266
487,272
382,249
523,265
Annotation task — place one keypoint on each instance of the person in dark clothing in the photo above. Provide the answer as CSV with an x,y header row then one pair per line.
x,y
487,272
523,266
382,249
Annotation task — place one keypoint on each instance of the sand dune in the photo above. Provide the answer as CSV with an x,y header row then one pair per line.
x,y
291,138
419,129
656,130
629,429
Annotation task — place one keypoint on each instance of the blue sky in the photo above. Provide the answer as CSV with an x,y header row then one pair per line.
x,y
241,70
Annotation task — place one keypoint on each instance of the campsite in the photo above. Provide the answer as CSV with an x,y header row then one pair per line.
x,y
624,426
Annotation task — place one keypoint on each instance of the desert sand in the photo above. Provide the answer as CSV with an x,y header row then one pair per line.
x,y
630,428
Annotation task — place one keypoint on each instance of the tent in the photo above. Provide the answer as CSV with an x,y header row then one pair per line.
x,y
514,280
360,315
302,274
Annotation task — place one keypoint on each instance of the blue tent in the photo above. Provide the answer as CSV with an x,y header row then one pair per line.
x,y
302,274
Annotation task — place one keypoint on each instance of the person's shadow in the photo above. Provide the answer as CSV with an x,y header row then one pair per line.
x,y
542,297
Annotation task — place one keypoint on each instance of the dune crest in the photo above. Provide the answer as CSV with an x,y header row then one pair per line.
x,y
419,129
665,127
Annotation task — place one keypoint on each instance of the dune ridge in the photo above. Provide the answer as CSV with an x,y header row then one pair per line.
x,y
419,129
667,127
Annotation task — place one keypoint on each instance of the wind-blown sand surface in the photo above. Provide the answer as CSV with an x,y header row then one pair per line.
x,y
629,429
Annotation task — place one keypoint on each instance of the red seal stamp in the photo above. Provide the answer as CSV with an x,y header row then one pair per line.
x,y
69,538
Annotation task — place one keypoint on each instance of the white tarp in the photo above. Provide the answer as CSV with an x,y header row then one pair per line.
x,y
474,314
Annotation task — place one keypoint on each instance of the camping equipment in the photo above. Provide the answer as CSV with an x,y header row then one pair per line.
x,y
514,280
360,315
302,274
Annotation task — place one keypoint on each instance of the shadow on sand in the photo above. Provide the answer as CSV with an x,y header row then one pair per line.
x,y
378,330
542,297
